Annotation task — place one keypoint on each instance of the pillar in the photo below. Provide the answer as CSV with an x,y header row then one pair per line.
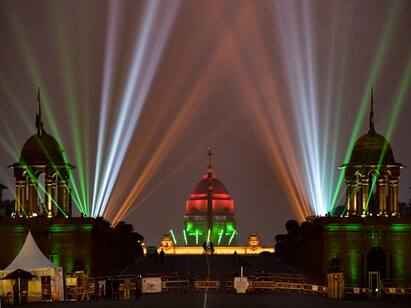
x,y
393,197
396,208
53,189
364,186
382,196
33,197
352,198
49,195
20,197
63,195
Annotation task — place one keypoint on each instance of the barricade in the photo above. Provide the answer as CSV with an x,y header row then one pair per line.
x,y
356,292
207,284
394,291
176,282
315,289
261,285
292,286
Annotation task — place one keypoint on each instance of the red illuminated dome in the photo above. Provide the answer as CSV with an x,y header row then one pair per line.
x,y
217,187
221,200
210,211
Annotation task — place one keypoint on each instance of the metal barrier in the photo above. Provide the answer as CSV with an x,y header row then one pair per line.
x,y
207,284
258,282
260,285
289,286
394,291
315,289
176,282
354,291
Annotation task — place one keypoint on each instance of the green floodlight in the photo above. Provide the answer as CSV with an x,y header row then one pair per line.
x,y
173,236
232,237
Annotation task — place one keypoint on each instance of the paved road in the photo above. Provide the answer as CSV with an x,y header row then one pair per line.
x,y
224,300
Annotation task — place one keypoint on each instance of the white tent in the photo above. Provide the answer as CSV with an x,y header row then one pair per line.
x,y
31,259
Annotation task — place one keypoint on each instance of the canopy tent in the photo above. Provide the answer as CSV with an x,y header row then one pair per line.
x,y
31,259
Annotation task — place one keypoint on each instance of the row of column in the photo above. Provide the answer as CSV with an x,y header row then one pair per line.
x,y
357,196
27,197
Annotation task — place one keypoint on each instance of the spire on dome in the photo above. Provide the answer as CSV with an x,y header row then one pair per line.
x,y
372,130
39,122
210,154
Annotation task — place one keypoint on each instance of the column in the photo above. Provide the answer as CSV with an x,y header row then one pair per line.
x,y
62,196
54,194
352,198
33,197
396,208
364,186
393,197
20,197
49,195
382,196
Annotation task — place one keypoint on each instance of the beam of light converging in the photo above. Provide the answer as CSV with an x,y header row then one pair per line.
x,y
195,153
265,105
79,131
35,74
12,96
179,123
375,69
398,101
334,96
297,36
149,46
193,101
110,48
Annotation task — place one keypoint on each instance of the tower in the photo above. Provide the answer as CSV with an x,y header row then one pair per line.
x,y
372,175
210,211
42,154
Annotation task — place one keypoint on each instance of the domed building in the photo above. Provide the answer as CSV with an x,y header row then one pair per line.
x,y
372,175
209,214
42,154
43,207
370,242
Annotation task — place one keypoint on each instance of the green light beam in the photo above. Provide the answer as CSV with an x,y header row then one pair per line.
x,y
220,236
185,237
398,102
232,237
374,72
35,75
173,236
70,91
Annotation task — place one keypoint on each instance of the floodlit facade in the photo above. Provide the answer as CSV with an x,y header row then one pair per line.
x,y
209,214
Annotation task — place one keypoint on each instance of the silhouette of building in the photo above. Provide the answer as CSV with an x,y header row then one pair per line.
x,y
371,239
209,214
372,175
42,154
74,243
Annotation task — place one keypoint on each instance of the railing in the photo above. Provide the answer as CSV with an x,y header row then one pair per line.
x,y
258,282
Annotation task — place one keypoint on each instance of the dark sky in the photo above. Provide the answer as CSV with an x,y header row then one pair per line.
x,y
219,63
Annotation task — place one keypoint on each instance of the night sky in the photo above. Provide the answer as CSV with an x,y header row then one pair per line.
x,y
218,62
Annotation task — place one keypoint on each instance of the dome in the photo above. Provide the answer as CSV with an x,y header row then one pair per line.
x,y
42,149
202,186
368,149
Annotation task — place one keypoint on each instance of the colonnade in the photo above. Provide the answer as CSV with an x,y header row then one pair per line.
x,y
56,193
358,195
